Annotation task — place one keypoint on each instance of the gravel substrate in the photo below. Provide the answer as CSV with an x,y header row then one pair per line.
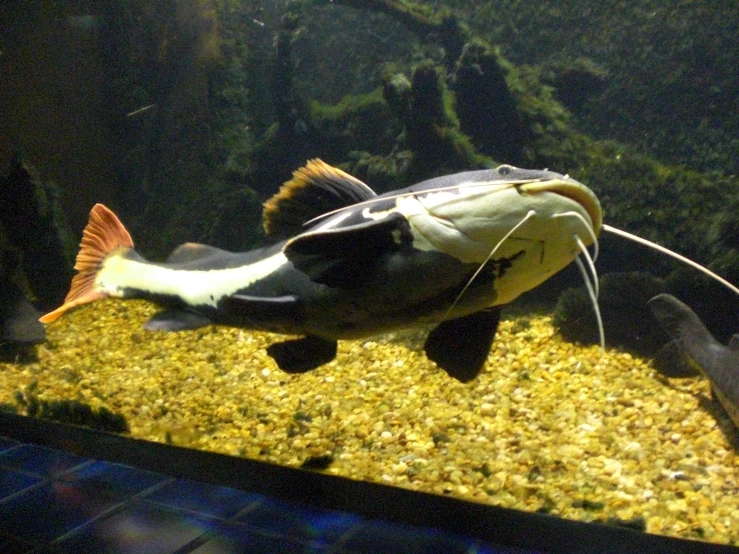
x,y
548,425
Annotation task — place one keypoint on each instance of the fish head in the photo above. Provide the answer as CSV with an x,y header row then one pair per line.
x,y
530,222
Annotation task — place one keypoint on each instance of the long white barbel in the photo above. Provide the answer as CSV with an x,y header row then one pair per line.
x,y
672,254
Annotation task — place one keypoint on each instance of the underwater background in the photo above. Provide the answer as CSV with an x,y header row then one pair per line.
x,y
185,116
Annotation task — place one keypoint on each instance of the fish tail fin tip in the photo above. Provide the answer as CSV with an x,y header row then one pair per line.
x,y
103,235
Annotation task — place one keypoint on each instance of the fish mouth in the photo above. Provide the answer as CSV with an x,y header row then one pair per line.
x,y
575,191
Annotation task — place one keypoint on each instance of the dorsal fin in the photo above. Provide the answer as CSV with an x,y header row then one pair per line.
x,y
191,251
315,189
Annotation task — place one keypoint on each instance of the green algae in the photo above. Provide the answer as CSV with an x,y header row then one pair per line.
x,y
68,411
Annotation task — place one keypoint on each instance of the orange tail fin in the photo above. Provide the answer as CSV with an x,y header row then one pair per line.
x,y
103,235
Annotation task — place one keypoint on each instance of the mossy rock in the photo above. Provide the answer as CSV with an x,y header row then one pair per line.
x,y
69,411
627,322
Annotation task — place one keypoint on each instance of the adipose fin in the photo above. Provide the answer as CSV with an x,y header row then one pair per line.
x,y
193,251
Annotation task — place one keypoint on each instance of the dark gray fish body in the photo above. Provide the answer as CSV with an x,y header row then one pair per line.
x,y
448,251
716,361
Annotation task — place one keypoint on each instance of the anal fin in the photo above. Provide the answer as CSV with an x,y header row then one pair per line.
x,y
176,320
302,355
461,346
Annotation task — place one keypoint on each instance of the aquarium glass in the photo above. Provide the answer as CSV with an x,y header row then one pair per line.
x,y
184,118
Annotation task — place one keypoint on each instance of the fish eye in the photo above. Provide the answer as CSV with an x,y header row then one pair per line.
x,y
505,169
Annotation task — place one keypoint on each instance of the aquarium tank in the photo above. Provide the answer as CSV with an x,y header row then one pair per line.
x,y
274,308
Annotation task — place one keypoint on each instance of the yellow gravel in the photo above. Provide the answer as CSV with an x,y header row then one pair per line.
x,y
548,425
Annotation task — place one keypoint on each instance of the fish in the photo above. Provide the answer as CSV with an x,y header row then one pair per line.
x,y
347,263
19,319
718,362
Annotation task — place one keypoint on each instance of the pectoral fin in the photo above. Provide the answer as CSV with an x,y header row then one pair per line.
x,y
346,257
671,361
301,355
461,346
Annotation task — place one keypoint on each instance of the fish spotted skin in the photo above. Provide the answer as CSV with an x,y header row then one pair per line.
x,y
719,363
353,264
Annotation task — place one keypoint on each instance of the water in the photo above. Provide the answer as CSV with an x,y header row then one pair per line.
x,y
184,117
